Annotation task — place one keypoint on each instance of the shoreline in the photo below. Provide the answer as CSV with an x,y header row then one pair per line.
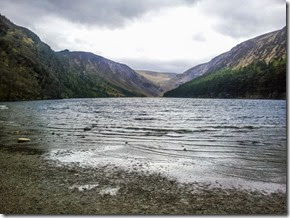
x,y
32,185
157,97
180,172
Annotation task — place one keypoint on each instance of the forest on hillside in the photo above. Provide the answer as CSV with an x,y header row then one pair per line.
x,y
257,80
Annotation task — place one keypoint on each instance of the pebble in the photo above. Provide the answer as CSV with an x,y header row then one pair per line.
x,y
87,129
20,140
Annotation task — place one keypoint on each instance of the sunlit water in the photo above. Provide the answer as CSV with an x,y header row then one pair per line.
x,y
240,143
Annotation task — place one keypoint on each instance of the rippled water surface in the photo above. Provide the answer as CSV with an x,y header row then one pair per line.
x,y
229,142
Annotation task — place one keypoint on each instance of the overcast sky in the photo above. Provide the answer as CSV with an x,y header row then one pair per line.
x,y
157,35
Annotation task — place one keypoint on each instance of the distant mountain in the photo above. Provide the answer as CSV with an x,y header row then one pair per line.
x,y
30,69
265,53
160,79
112,72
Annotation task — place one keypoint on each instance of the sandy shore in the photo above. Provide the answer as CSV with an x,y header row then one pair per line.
x,y
31,185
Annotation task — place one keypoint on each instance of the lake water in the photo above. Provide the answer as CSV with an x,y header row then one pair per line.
x,y
239,143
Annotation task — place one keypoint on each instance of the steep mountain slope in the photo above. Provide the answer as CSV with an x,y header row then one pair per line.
x,y
257,64
112,72
23,65
160,79
262,48
30,69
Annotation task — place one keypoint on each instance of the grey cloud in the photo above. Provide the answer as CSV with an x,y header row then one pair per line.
x,y
106,13
199,37
241,18
175,66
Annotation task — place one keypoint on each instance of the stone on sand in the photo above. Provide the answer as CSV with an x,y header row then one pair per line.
x,y
21,140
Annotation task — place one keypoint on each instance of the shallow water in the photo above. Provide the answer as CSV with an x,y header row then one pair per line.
x,y
240,143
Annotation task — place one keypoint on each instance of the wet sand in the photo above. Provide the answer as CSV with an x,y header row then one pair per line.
x,y
31,185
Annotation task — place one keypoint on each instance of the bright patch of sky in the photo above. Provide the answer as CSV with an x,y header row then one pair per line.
x,y
170,38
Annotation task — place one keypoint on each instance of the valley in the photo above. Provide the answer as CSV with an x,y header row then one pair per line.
x,y
31,70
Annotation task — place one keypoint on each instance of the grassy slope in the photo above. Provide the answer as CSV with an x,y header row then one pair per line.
x,y
159,79
156,77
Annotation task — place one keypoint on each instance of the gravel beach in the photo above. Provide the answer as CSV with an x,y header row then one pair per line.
x,y
32,185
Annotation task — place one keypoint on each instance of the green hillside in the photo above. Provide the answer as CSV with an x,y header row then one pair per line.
x,y
257,80
30,69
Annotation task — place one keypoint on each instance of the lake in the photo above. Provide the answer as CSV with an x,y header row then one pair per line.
x,y
224,142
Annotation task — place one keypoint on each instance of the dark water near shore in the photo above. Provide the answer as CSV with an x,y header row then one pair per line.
x,y
238,143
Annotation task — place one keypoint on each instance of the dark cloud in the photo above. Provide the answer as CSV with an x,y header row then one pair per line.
x,y
241,18
107,13
175,66
234,18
